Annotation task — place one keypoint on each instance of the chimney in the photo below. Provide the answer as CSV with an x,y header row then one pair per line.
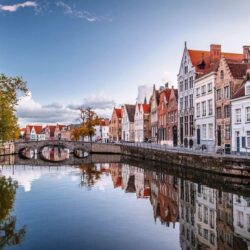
x,y
166,85
215,52
246,54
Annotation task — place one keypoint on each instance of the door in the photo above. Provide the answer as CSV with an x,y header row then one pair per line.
x,y
237,142
175,136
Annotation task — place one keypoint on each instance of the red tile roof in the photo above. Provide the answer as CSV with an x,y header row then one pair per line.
x,y
118,112
38,128
145,108
238,70
198,57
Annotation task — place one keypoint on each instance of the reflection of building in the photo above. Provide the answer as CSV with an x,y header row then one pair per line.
x,y
116,174
187,210
225,233
205,217
241,215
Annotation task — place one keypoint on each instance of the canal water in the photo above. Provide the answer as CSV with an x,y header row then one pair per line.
x,y
117,206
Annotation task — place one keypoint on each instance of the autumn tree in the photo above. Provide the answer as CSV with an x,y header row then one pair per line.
x,y
89,120
11,90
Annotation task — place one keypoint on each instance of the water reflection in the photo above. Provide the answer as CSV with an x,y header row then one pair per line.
x,y
28,153
81,153
9,236
202,217
55,153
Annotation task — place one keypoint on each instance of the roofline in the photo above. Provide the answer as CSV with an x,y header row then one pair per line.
x,y
205,76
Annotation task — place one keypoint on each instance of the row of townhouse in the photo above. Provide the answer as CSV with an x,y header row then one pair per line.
x,y
48,132
210,109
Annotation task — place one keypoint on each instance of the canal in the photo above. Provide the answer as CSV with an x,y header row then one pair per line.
x,y
119,206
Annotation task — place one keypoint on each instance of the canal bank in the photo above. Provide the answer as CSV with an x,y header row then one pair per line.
x,y
202,161
220,164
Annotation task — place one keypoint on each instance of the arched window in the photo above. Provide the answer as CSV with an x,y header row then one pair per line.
x,y
222,75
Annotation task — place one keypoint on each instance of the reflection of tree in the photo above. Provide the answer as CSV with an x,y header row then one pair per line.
x,y
8,235
90,175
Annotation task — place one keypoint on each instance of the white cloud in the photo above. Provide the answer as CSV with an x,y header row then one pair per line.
x,y
83,14
15,7
31,111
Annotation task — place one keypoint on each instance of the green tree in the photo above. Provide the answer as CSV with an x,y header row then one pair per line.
x,y
11,90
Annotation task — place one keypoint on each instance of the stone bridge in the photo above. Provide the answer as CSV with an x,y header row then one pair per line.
x,y
71,145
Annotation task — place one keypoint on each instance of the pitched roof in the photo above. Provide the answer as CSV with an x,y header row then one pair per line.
x,y
145,108
166,92
38,128
237,69
203,57
118,112
131,112
240,92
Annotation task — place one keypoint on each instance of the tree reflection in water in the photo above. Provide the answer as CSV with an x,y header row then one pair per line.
x,y
9,236
90,175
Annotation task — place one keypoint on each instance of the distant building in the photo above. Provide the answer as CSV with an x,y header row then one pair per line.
x,y
128,116
142,129
34,133
115,126
154,102
105,130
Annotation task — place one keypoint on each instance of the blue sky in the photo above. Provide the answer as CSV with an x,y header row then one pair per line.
x,y
99,52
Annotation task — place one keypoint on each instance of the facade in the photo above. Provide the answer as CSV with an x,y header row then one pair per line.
x,y
50,132
241,119
128,116
34,133
115,126
154,102
204,111
141,126
172,119
228,80
162,113
105,130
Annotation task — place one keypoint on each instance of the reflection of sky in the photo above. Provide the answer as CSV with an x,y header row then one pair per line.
x,y
26,175
60,214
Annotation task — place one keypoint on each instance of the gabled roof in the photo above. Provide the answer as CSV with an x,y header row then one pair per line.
x,y
118,112
145,108
38,128
203,57
131,112
237,69
166,93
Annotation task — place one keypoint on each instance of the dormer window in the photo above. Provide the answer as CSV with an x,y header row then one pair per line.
x,y
222,75
247,88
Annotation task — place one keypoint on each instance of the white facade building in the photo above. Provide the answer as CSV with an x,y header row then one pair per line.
x,y
241,120
128,115
204,111
105,133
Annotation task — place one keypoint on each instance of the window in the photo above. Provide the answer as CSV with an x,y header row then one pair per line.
x,y
218,94
204,131
186,125
198,108
203,89
186,69
222,75
186,102
247,114
197,91
205,234
226,92
227,132
210,131
181,103
191,98
211,219
191,119
238,115
205,213
186,84
209,87
210,107
203,108
248,139
191,82
226,111
218,113
181,86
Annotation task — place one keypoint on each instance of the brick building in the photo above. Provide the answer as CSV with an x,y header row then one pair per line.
x,y
115,126
230,75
